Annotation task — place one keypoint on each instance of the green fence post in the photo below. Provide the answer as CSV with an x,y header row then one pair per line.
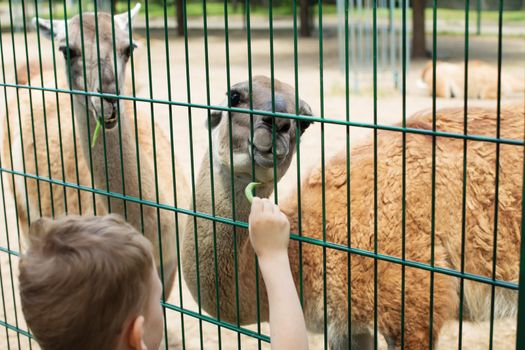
x,y
520,341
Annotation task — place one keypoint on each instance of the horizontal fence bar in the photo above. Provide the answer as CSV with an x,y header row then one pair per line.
x,y
216,322
9,251
280,115
16,329
242,224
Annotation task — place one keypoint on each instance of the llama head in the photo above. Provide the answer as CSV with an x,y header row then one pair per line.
x,y
265,151
95,60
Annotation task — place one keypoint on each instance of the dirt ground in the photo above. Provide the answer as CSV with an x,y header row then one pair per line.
x,y
389,111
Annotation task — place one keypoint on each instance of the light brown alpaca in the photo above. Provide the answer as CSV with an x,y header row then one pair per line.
x,y
49,202
448,218
480,201
482,80
263,153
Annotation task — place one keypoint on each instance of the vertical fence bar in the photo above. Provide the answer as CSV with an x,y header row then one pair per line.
x,y
496,180
173,167
30,93
192,161
376,52
45,116
177,221
19,120
520,333
374,19
232,181
154,144
24,170
102,105
119,118
80,13
8,126
404,170
272,88
212,176
60,142
464,190
155,165
433,199
298,152
323,200
135,117
348,204
4,207
250,92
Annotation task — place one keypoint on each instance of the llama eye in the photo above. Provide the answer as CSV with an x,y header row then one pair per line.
x,y
235,98
68,51
129,50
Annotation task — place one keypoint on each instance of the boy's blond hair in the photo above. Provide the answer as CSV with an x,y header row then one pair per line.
x,y
81,279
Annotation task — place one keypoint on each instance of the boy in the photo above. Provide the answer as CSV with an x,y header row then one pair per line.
x,y
90,283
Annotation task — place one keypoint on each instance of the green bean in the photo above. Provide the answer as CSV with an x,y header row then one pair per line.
x,y
96,133
248,191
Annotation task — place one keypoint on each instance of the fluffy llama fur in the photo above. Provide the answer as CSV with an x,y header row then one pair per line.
x,y
358,230
482,80
45,200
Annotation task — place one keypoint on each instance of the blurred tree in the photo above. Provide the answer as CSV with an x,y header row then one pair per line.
x,y
306,25
419,49
104,5
180,20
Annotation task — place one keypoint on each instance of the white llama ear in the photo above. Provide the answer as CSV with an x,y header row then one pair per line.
x,y
122,19
50,29
216,115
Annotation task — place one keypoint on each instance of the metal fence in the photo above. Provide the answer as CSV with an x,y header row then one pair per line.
x,y
47,160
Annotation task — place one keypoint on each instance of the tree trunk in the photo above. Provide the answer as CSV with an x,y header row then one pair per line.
x,y
418,29
180,19
103,6
306,28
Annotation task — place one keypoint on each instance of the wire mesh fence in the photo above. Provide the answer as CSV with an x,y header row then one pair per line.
x,y
398,223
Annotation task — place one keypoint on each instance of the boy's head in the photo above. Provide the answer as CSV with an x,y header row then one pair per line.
x,y
90,283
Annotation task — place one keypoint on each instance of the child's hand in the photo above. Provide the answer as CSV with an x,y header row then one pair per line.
x,y
270,234
269,228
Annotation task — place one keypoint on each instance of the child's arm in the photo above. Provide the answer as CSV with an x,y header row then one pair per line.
x,y
269,235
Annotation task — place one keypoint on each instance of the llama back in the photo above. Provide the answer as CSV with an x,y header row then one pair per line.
x,y
379,214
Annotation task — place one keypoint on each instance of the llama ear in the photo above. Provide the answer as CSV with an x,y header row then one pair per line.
x,y
122,19
215,119
304,109
50,29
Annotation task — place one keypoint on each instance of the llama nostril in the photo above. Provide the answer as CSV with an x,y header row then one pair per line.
x,y
285,126
268,120
110,100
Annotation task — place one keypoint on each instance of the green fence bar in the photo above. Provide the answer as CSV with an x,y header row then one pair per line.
x,y
372,39
520,339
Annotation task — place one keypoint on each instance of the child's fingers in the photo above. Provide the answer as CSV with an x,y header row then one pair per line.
x,y
257,205
268,206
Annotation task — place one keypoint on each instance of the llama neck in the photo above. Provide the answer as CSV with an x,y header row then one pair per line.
x,y
119,173
224,196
